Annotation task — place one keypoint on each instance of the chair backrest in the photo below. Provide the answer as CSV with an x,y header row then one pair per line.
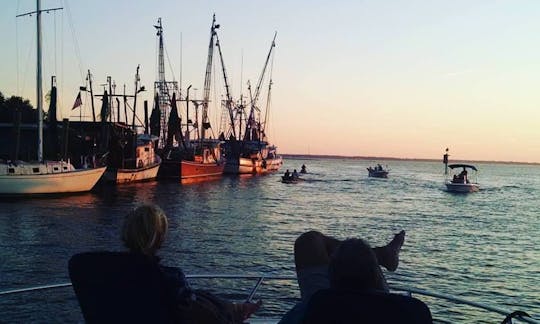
x,y
116,287
339,306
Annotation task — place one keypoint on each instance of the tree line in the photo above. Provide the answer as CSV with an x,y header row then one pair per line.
x,y
9,107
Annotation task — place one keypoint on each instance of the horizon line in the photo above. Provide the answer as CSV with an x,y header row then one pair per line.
x,y
360,157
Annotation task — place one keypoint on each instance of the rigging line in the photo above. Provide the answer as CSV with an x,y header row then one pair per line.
x,y
180,61
268,103
30,51
169,61
76,44
241,70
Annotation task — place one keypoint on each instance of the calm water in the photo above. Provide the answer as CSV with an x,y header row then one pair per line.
x,y
481,246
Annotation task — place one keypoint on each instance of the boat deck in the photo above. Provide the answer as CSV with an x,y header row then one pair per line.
x,y
261,279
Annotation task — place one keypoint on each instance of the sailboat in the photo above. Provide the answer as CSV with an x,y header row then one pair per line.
x,y
189,159
44,177
247,149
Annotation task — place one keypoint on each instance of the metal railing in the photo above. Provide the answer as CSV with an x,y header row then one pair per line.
x,y
261,278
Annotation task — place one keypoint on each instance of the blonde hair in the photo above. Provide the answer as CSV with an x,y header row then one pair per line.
x,y
144,229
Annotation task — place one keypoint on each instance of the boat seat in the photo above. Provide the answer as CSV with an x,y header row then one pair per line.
x,y
347,306
119,287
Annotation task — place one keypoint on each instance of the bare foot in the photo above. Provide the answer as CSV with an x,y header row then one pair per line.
x,y
389,254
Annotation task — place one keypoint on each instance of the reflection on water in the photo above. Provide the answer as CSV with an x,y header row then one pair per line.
x,y
480,246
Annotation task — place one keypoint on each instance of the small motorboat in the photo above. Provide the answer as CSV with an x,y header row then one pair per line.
x,y
378,171
464,181
291,179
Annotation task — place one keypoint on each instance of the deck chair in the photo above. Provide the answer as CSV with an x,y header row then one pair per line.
x,y
339,306
116,287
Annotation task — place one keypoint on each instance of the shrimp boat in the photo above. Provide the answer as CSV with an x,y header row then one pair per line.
x,y
41,176
273,283
143,167
190,158
247,149
134,157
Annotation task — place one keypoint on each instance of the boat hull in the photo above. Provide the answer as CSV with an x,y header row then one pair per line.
x,y
185,170
194,171
253,166
462,187
378,174
79,180
132,175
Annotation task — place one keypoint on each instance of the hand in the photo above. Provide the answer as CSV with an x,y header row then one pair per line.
x,y
247,309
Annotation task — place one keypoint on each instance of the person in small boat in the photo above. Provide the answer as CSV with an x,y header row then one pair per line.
x,y
144,232
379,167
303,169
295,174
319,266
287,175
461,177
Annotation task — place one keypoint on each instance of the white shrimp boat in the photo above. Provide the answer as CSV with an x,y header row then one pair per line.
x,y
146,163
505,315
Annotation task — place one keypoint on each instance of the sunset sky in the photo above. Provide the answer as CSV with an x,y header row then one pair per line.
x,y
357,78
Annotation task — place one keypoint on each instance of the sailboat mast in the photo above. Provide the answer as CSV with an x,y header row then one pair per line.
x,y
39,93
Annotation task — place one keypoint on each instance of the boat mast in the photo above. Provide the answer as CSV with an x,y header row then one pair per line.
x,y
89,77
227,90
207,79
137,79
162,87
39,85
255,97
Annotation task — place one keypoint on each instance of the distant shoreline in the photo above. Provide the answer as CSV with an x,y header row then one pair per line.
x,y
385,158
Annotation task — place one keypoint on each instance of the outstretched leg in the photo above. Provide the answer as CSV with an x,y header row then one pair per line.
x,y
388,255
313,251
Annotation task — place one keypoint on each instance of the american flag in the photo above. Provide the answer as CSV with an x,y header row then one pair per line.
x,y
78,101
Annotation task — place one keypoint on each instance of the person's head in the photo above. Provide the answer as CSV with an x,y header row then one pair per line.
x,y
144,229
294,170
354,266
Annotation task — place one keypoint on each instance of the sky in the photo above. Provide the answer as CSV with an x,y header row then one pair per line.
x,y
382,78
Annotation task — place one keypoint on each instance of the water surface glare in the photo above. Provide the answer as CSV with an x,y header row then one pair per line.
x,y
481,246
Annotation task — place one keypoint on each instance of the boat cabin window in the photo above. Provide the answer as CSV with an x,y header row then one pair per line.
x,y
55,168
11,170
146,149
65,168
35,170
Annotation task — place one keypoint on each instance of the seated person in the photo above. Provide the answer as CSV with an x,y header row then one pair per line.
x,y
143,233
295,174
358,293
303,169
287,175
312,255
